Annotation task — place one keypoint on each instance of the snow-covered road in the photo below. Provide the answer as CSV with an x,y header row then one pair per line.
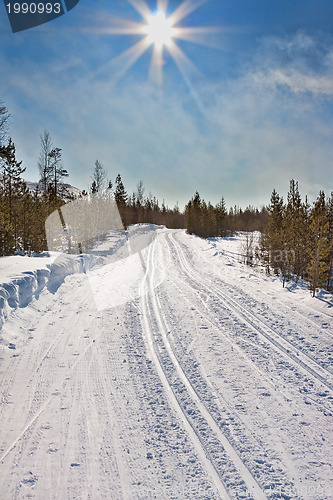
x,y
173,371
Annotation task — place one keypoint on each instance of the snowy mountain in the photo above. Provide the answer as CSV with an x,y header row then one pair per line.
x,y
162,367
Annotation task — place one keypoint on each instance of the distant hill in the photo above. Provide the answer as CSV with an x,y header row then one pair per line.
x,y
71,189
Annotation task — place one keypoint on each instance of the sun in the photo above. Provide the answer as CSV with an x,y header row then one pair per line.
x,y
159,29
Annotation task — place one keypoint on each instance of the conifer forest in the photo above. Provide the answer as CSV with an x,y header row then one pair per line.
x,y
296,235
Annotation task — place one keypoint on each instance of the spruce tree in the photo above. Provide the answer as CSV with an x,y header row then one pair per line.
x,y
120,194
93,188
121,200
221,218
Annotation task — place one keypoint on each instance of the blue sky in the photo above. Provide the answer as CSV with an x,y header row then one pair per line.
x,y
256,112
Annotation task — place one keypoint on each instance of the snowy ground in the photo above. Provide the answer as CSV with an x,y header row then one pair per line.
x,y
171,371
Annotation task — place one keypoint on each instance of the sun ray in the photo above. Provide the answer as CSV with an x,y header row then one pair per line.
x,y
124,61
156,65
185,9
199,35
120,26
141,7
162,5
184,64
186,67
159,32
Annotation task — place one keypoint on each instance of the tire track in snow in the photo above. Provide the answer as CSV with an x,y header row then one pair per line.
x,y
254,490
280,344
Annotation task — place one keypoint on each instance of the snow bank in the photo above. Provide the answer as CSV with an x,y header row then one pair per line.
x,y
18,291
23,278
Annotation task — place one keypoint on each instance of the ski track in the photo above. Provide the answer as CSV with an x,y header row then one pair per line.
x,y
254,451
284,346
187,392
205,292
246,477
163,376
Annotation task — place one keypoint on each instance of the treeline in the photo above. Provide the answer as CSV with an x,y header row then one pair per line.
x,y
138,208
206,220
298,238
23,212
198,217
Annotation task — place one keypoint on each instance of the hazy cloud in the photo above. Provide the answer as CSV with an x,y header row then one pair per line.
x,y
299,63
296,81
250,135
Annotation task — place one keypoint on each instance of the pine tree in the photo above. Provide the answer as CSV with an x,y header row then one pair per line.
x,y
20,214
37,212
210,229
57,173
12,190
4,119
6,229
329,286
319,245
295,229
98,178
44,162
193,215
11,174
140,203
272,241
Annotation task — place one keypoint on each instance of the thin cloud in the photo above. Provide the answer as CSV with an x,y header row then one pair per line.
x,y
250,136
299,63
296,81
